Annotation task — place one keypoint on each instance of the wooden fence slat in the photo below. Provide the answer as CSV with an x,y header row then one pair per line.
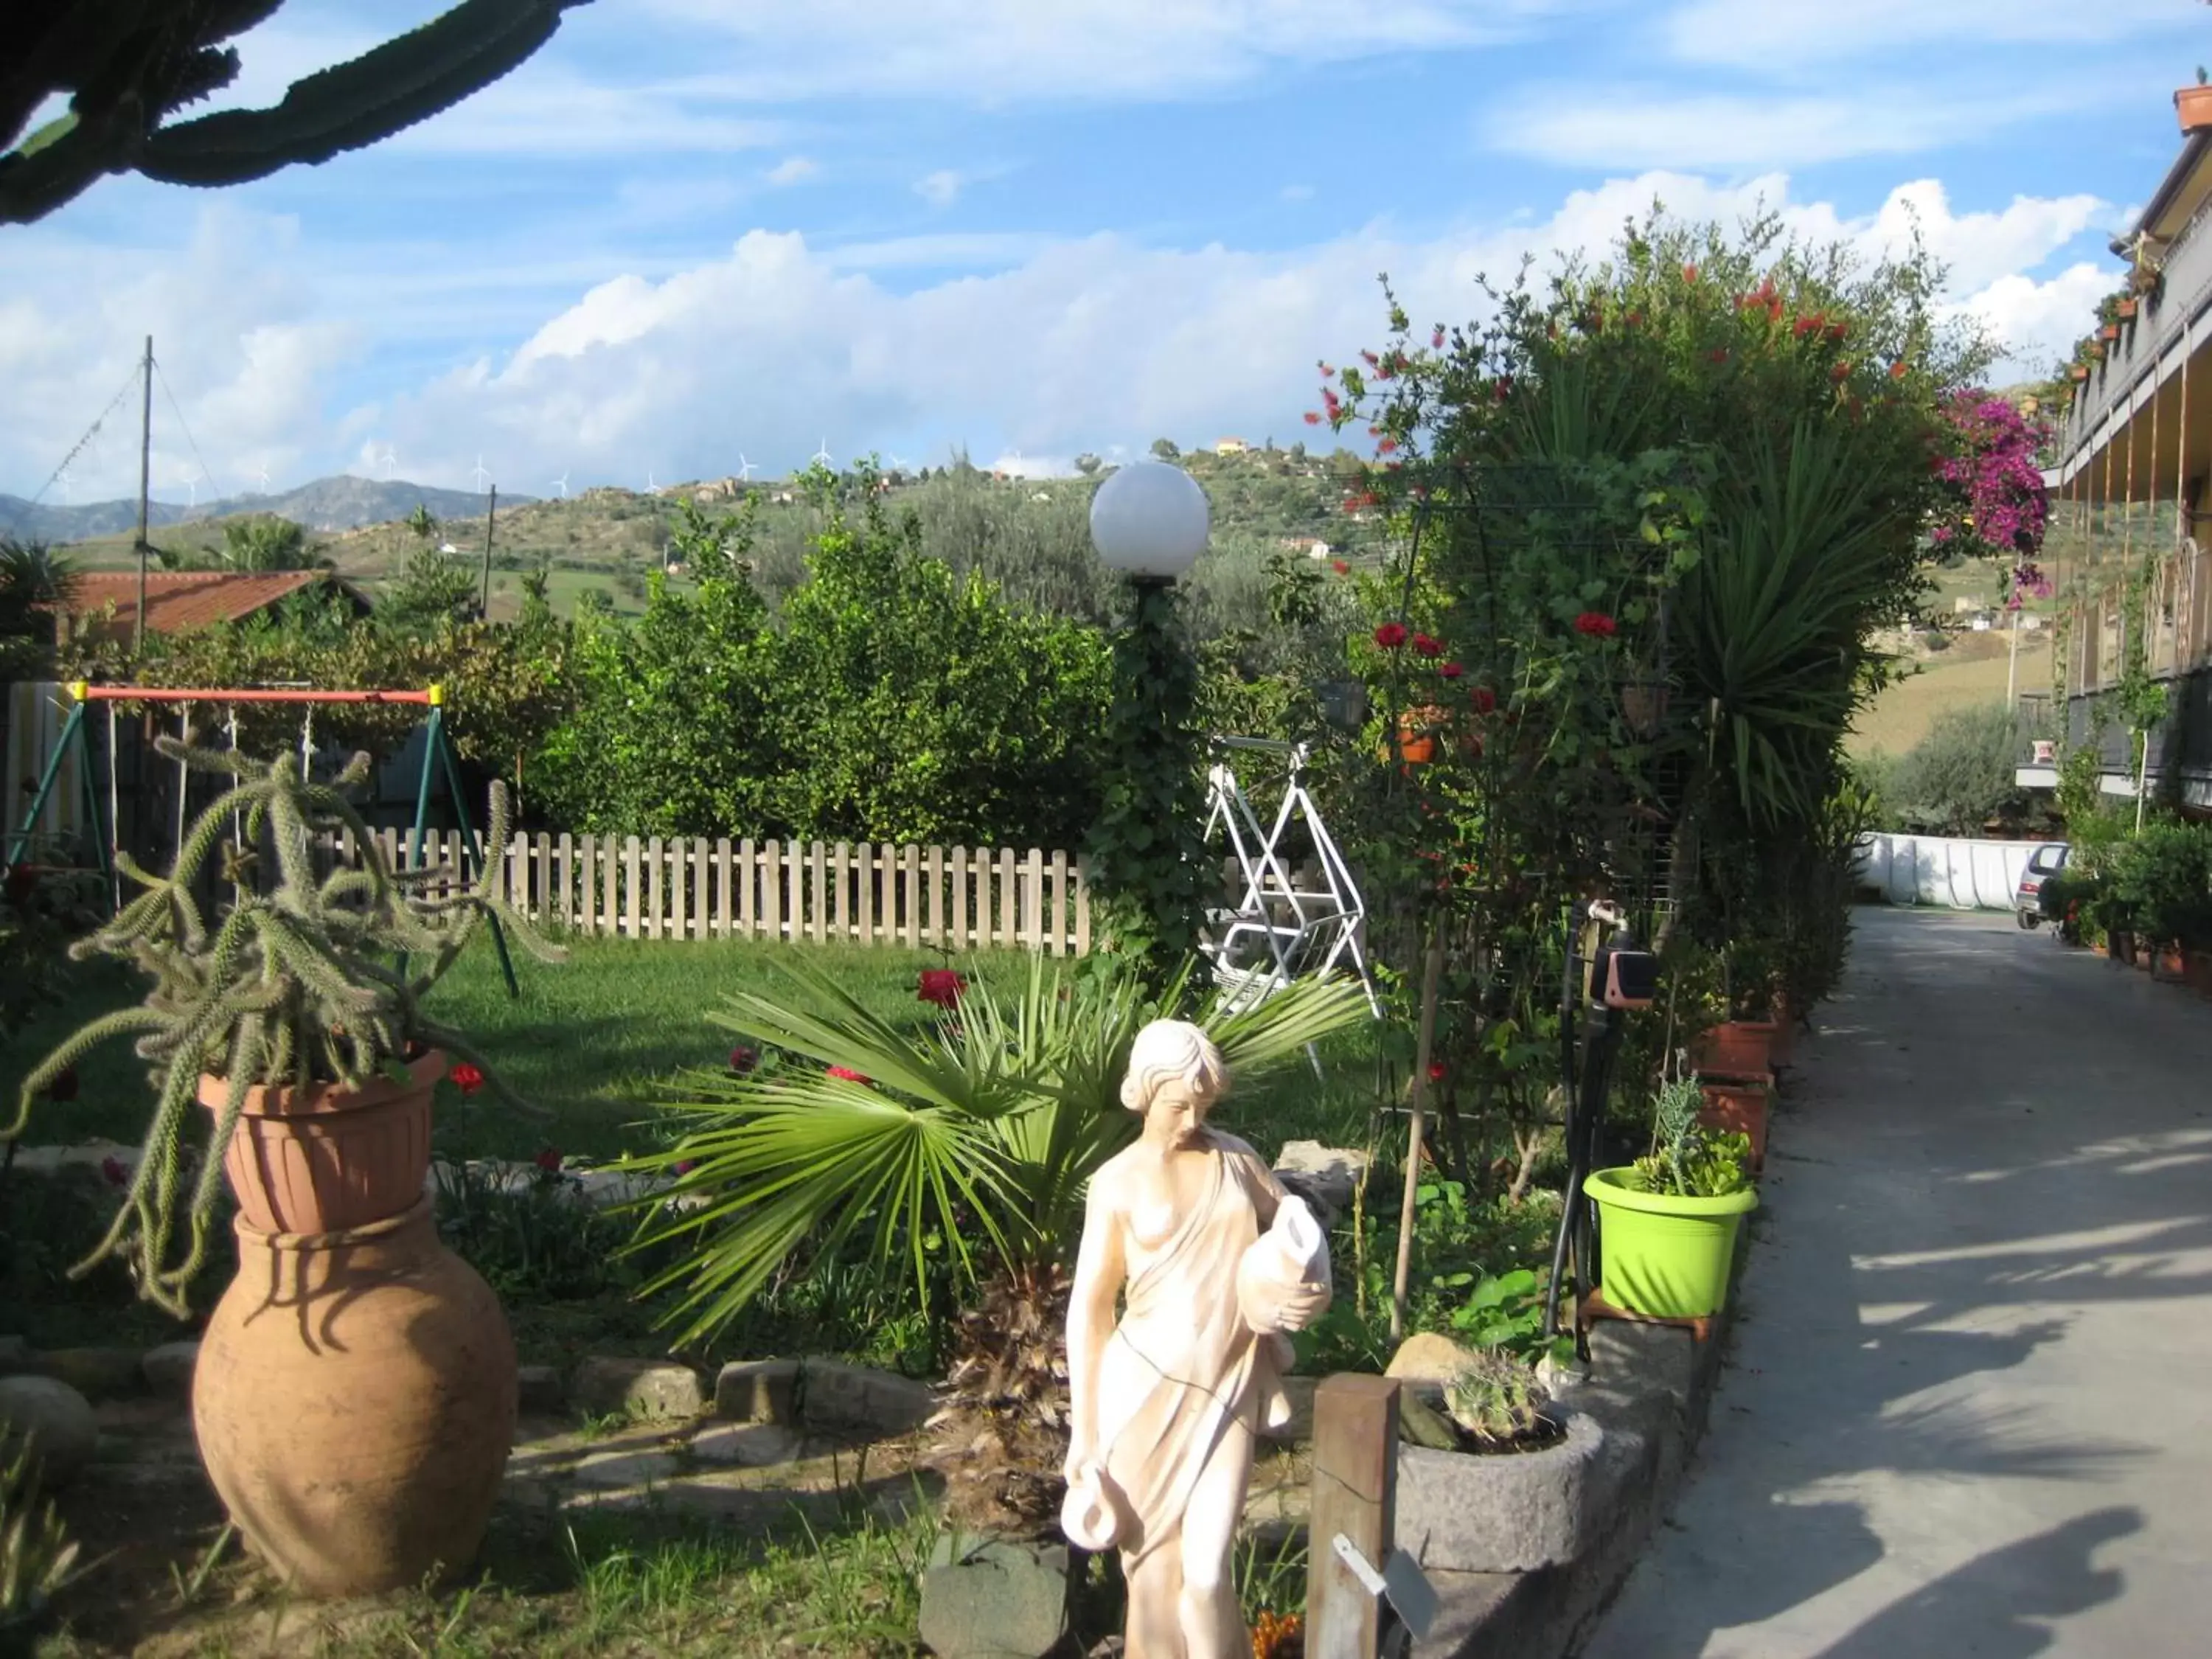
x,y
867,893
609,887
960,929
843,890
541,877
1010,902
772,890
725,912
632,852
1082,908
588,886
887,892
910,886
652,887
1055,930
564,882
935,881
748,911
1033,899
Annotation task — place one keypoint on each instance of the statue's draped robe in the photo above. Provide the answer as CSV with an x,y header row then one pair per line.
x,y
1184,1372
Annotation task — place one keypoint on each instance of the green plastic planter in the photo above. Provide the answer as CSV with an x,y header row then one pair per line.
x,y
1661,1256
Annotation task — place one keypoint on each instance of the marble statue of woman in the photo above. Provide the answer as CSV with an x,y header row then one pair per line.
x,y
1212,1261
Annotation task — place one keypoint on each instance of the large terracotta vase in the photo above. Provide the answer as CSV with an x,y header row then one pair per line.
x,y
355,1395
354,1399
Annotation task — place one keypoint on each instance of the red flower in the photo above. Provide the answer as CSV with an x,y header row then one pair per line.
x,y
1841,373
1340,566
1312,418
1438,1071
1597,624
1387,446
1373,361
848,1074
1689,273
1504,389
743,1059
1390,635
1720,354
1328,372
1427,646
1838,331
1436,340
1813,323
942,987
548,1159
466,1078
1896,369
1483,698
1451,670
683,1166
117,1173
64,1085
1634,319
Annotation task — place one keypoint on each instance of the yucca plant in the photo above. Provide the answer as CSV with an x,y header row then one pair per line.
x,y
309,982
36,1552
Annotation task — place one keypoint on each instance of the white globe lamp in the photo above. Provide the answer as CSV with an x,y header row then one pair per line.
x,y
1150,521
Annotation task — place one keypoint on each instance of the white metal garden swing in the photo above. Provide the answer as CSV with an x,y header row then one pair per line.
x,y
1278,930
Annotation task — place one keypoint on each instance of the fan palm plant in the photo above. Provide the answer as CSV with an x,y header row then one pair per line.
x,y
971,1142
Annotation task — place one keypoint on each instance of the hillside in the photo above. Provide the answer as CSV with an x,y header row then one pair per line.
x,y
344,502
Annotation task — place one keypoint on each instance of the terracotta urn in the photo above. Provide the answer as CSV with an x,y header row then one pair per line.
x,y
354,1399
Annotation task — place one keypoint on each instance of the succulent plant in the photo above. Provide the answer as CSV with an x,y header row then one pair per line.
x,y
36,1552
1496,1398
300,981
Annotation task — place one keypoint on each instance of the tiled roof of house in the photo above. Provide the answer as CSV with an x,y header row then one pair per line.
x,y
179,600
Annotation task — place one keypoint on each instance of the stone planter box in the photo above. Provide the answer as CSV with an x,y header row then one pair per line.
x,y
1502,1512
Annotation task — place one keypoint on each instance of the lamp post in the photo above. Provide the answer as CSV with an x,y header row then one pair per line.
x,y
1150,521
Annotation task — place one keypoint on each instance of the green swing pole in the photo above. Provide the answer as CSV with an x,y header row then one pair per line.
x,y
441,740
73,730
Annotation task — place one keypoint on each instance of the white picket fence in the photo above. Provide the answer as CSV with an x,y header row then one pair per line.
x,y
870,894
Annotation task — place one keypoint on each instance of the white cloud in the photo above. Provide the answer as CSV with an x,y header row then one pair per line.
x,y
1296,193
1049,347
794,170
939,189
1762,34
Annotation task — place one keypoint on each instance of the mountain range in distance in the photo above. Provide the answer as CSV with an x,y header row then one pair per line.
x,y
344,502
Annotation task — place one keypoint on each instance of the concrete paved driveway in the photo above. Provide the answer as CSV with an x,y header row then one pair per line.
x,y
1969,1406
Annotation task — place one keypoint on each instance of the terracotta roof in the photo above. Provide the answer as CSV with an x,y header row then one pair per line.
x,y
179,600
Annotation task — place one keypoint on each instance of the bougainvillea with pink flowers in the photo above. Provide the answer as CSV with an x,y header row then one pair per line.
x,y
1996,504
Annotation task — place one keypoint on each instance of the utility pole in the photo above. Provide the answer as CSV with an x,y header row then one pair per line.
x,y
491,513
145,483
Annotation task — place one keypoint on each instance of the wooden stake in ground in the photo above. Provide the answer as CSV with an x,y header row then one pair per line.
x,y
1431,970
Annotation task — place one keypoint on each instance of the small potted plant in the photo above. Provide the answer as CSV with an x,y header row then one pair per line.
x,y
354,1392
1667,1223
2193,105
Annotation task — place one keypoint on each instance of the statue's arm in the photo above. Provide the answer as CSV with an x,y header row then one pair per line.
x,y
1100,1269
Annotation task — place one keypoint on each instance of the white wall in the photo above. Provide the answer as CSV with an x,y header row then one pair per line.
x,y
1965,875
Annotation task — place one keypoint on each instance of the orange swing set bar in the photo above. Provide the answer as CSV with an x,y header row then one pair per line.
x,y
85,691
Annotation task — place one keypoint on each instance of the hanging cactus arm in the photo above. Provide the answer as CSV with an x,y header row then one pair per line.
x,y
354,104
83,1043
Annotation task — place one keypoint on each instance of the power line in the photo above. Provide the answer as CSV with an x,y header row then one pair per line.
x,y
90,433
206,472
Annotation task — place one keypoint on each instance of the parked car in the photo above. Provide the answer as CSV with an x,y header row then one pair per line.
x,y
2046,861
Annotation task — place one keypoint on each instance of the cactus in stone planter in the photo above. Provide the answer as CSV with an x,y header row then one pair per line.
x,y
1496,1398
304,984
36,1553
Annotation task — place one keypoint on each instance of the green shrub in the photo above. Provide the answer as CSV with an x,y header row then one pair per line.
x,y
2161,884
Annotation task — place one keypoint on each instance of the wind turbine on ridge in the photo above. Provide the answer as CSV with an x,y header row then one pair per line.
x,y
262,477
480,475
822,455
744,468
561,483
191,482
391,459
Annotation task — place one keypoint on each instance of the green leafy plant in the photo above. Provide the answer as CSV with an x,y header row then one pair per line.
x,y
1497,1400
1687,1160
305,983
36,1552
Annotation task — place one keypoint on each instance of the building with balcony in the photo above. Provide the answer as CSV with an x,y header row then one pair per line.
x,y
2130,497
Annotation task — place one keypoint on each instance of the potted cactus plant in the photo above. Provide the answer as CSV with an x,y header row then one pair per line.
x,y
1667,1223
292,1018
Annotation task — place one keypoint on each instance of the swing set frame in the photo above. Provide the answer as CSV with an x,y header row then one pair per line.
x,y
438,758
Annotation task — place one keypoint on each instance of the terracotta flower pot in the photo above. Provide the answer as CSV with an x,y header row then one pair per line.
x,y
2080,371
2109,331
2193,105
2126,308
354,1399
1740,1048
329,1159
1739,1109
2168,963
1416,739
2196,972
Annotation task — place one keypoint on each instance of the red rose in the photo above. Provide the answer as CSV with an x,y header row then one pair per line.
x,y
1451,670
1390,635
942,987
1438,1071
1720,354
466,1078
64,1085
743,1059
1597,624
1427,646
548,1159
1340,566
848,1074
117,1173
683,1166
1483,698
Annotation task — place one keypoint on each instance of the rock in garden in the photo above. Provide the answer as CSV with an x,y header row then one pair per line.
x,y
627,1469
1426,1357
1325,1177
53,1418
538,1388
858,1397
167,1370
746,1445
996,1601
641,1388
95,1373
758,1391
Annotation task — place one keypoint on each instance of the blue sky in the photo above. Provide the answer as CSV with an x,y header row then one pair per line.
x,y
693,229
